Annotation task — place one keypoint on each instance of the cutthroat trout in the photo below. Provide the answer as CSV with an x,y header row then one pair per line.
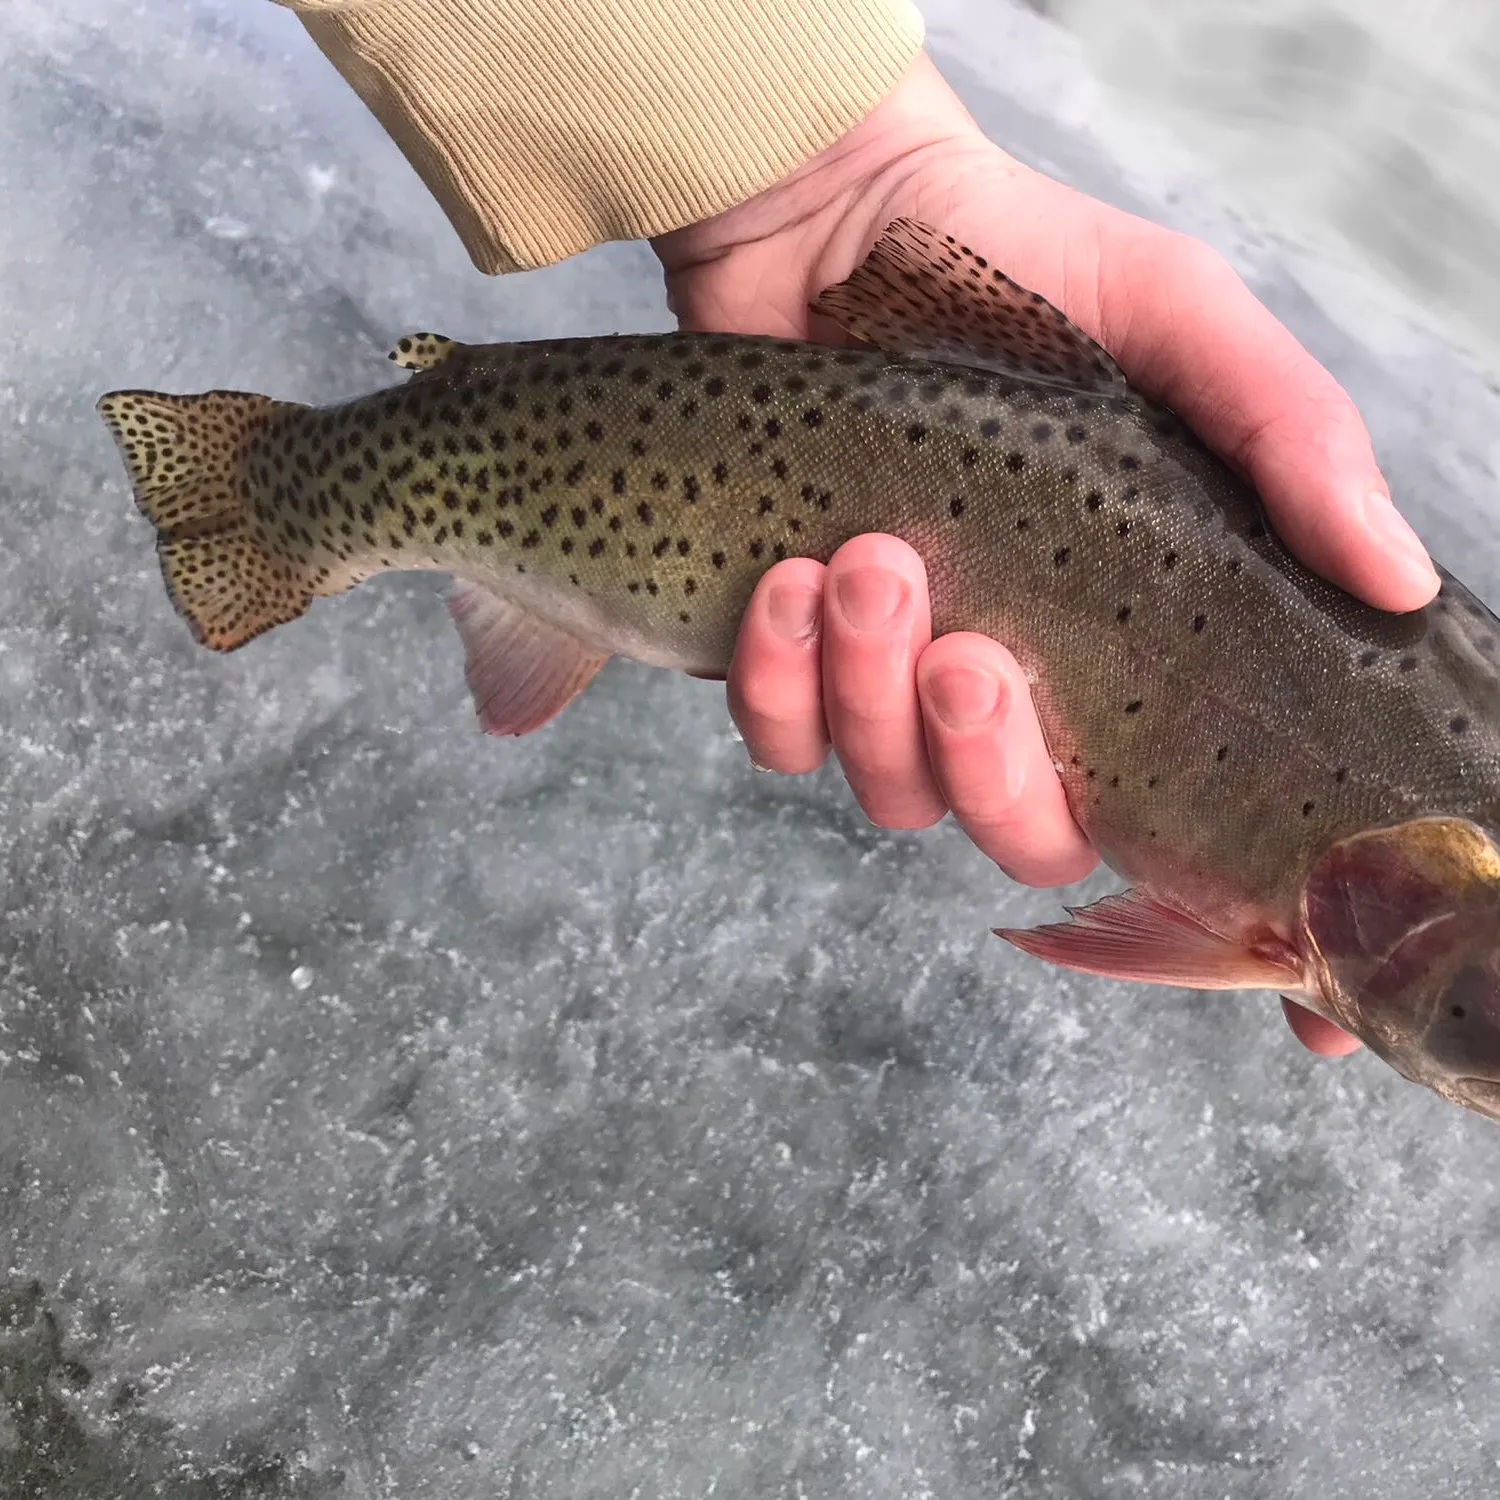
x,y
1301,791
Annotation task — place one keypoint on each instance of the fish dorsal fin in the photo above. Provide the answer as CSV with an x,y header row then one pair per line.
x,y
421,351
521,670
922,293
1134,936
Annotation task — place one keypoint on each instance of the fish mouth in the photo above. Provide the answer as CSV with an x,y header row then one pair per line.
x,y
1480,1094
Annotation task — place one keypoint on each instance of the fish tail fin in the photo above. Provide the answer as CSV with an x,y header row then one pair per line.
x,y
187,461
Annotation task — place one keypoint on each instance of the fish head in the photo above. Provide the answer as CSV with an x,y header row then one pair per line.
x,y
1401,928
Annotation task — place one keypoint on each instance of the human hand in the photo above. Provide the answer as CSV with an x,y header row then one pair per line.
x,y
809,668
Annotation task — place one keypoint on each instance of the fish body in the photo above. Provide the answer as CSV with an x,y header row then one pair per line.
x,y
1228,726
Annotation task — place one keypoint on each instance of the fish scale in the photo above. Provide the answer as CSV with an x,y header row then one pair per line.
x,y
1221,718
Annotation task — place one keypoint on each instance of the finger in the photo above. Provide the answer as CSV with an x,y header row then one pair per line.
x,y
1317,1034
1183,324
992,764
774,682
876,620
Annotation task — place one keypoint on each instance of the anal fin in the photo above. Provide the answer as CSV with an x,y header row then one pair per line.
x,y
1133,936
521,670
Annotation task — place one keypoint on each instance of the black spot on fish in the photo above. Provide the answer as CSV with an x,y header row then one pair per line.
x,y
1307,808
1015,462
713,386
969,457
1458,724
766,505
646,514
1369,658
1093,500
617,481
916,433
1077,434
956,507
1123,613
1041,432
717,559
1169,561
1134,706
1061,556
812,417
773,427
989,428
1199,621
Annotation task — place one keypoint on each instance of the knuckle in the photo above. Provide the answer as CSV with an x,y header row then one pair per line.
x,y
1198,259
762,700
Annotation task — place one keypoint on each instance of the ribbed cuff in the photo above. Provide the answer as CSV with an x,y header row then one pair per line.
x,y
543,127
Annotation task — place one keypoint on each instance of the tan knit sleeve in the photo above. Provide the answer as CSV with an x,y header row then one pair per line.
x,y
547,126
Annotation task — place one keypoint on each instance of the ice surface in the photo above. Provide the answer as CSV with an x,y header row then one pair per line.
x,y
396,1113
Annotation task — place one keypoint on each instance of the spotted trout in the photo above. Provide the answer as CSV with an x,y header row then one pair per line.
x,y
1301,791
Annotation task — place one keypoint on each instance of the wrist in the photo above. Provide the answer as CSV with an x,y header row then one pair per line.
x,y
830,197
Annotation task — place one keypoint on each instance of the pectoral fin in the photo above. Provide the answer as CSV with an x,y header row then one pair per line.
x,y
521,670
1133,936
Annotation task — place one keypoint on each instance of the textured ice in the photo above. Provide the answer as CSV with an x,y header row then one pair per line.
x,y
396,1113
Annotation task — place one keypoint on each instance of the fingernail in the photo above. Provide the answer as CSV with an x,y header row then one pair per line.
x,y
964,697
793,611
1391,528
869,598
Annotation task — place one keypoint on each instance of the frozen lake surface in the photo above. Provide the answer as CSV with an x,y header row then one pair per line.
x,y
396,1113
